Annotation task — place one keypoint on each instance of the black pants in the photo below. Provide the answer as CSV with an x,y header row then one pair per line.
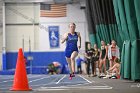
x,y
79,69
90,63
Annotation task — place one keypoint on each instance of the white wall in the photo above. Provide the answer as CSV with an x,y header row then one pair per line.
x,y
15,34
74,14
0,47
1,38
24,13
0,35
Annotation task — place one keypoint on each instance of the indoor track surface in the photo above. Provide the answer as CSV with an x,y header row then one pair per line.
x,y
79,84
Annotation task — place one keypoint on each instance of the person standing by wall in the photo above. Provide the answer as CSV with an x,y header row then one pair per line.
x,y
102,58
113,52
88,55
95,60
79,68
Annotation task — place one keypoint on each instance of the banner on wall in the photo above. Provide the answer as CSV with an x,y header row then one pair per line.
x,y
54,36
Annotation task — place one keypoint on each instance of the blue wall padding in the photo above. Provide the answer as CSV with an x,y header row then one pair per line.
x,y
11,60
4,61
39,58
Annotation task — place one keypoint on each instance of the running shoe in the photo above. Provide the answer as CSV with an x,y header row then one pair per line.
x,y
73,75
70,77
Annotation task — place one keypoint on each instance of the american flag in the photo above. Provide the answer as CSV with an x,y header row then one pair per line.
x,y
53,10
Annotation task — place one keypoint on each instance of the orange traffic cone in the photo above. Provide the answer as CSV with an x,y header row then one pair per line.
x,y
20,78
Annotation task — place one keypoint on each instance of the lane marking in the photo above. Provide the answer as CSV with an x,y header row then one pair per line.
x,y
33,76
50,89
6,77
73,82
69,88
53,83
74,87
12,79
39,79
4,88
6,81
50,83
86,79
28,78
61,79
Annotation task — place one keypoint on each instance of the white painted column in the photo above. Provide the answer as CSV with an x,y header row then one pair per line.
x,y
4,40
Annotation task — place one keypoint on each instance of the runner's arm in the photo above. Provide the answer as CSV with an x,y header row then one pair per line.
x,y
79,39
64,38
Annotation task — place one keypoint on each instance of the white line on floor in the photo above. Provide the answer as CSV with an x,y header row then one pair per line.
x,y
11,79
62,83
33,76
61,79
85,79
99,88
38,79
6,81
29,81
79,87
6,77
75,82
50,89
5,88
65,87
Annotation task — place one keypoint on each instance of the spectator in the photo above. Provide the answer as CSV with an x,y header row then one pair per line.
x,y
95,60
113,52
78,61
85,65
103,56
88,55
114,72
116,67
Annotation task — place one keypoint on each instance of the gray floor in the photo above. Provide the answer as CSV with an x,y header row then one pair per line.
x,y
79,84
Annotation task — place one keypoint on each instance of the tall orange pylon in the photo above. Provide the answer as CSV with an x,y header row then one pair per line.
x,y
20,78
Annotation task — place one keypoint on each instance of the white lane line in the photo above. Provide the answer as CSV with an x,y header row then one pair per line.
x,y
61,79
38,79
52,83
5,88
105,85
13,79
69,88
75,89
30,85
73,82
99,88
6,81
5,77
65,87
50,89
85,79
33,76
